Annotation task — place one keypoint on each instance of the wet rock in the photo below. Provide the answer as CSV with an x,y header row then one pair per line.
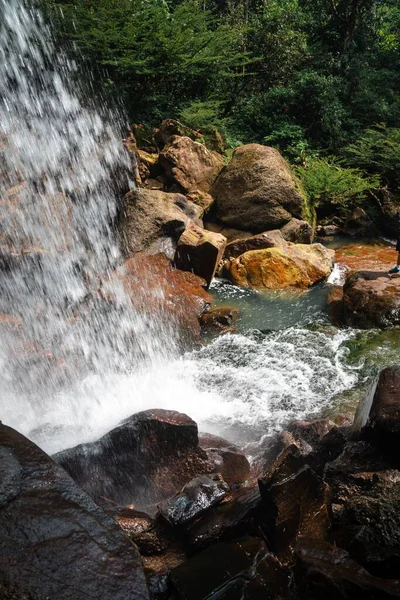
x,y
150,215
243,512
199,251
192,167
240,569
294,266
159,587
299,501
326,572
178,308
371,299
227,459
328,230
196,497
298,232
379,414
149,535
219,320
146,459
366,507
30,229
335,305
257,191
311,432
268,239
54,541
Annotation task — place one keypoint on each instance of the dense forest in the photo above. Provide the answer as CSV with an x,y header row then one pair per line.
x,y
318,79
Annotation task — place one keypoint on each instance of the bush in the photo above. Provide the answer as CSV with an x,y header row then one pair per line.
x,y
378,151
328,183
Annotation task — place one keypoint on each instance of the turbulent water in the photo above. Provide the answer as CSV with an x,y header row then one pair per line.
x,y
72,367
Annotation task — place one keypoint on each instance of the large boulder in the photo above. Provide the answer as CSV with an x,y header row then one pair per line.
x,y
257,191
192,167
199,251
371,299
55,542
277,268
149,457
378,416
152,221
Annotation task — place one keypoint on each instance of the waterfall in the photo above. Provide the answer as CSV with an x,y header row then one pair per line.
x,y
72,362
59,157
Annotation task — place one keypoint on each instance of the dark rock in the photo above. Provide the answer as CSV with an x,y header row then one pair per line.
x,y
329,230
199,251
299,500
196,497
159,587
371,299
241,569
298,232
54,541
379,414
310,431
226,458
257,191
150,536
326,572
146,459
219,320
359,223
243,512
365,496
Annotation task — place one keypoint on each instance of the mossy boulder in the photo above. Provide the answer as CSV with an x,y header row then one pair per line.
x,y
257,191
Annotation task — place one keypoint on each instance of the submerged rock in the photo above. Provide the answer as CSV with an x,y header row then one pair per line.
x,y
146,459
371,299
219,320
257,191
54,541
199,251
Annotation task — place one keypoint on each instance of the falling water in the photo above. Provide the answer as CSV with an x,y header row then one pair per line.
x,y
59,159
72,363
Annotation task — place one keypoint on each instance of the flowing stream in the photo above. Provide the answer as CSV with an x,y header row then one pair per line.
x,y
73,367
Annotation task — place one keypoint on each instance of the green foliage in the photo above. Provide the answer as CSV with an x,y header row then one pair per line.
x,y
378,151
310,78
328,183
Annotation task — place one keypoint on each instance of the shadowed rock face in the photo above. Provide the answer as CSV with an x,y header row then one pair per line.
x,y
257,191
55,542
148,458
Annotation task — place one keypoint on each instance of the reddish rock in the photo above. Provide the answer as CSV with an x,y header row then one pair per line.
x,y
371,299
182,301
199,251
377,256
298,500
146,459
268,239
170,128
55,542
149,535
227,459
